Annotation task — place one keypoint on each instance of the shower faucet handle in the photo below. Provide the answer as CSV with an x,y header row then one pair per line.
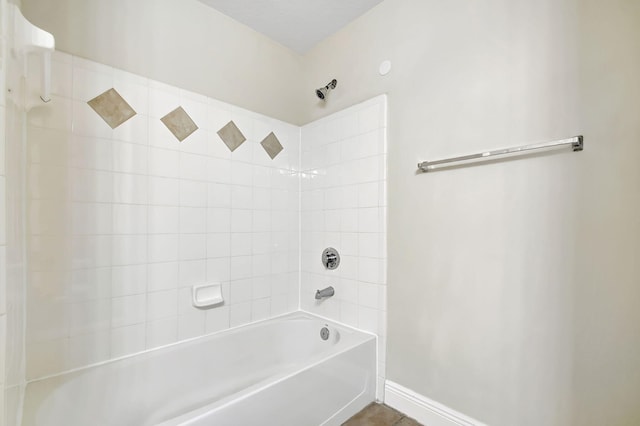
x,y
330,258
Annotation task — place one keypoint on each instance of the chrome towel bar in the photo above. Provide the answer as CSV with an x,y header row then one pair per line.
x,y
576,143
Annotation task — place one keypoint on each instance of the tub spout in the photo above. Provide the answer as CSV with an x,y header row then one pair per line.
x,y
325,292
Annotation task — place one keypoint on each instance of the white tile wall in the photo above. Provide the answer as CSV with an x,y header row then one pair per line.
x,y
123,222
344,206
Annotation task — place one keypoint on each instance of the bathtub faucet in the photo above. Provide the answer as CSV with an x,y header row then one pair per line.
x,y
325,292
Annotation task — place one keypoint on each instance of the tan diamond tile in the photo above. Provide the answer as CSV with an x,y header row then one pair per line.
x,y
272,145
231,136
179,123
113,109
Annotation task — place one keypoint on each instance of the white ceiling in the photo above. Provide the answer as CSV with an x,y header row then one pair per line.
x,y
297,24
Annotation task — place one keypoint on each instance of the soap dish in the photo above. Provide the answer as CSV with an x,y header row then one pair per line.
x,y
207,295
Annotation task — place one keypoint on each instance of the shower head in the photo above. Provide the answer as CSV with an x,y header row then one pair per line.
x,y
322,92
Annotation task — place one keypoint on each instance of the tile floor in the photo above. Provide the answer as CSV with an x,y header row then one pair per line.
x,y
376,414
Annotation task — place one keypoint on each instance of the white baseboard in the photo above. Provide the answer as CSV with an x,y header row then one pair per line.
x,y
423,409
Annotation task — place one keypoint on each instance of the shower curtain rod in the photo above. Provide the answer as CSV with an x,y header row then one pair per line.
x,y
576,143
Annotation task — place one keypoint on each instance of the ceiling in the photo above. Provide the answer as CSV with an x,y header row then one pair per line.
x,y
297,24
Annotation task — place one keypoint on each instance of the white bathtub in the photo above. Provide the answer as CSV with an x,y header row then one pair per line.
x,y
276,372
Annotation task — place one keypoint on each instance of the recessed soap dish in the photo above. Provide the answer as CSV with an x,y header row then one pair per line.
x,y
207,295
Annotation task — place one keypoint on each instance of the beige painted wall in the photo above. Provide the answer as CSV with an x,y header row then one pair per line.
x,y
513,291
180,42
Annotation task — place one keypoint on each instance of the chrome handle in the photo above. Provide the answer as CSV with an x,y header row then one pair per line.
x,y
330,258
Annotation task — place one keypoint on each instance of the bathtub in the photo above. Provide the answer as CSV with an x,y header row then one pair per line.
x,y
276,372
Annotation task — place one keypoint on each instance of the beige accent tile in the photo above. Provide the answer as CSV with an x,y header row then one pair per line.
x,y
231,136
113,109
179,123
272,145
